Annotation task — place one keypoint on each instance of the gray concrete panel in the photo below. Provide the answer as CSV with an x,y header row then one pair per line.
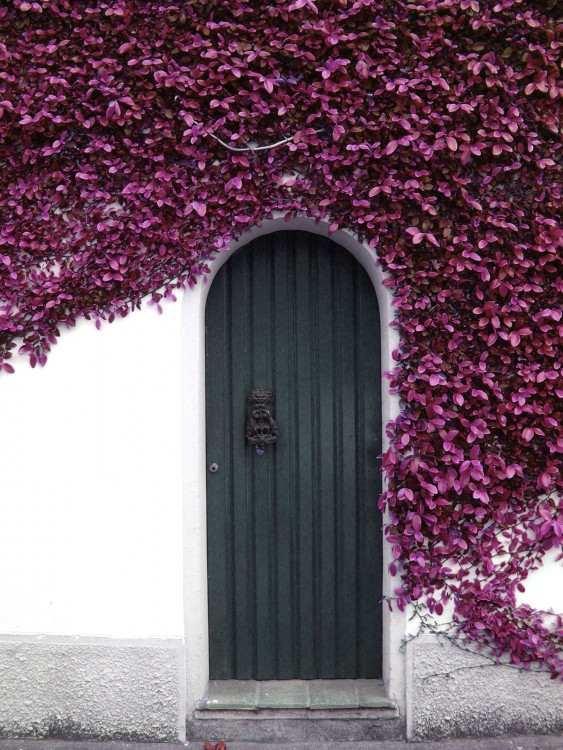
x,y
452,693
95,688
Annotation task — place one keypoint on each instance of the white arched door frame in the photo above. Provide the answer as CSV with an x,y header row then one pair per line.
x,y
194,459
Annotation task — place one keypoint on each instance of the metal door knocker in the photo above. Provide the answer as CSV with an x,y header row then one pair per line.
x,y
261,428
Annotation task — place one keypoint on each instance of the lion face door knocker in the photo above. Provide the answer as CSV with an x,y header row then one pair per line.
x,y
261,428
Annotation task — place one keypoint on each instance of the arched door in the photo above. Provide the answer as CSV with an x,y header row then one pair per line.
x,y
293,530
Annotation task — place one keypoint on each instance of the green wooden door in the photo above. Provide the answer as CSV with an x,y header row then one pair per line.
x,y
294,535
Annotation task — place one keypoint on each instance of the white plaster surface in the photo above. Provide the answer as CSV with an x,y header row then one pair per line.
x,y
91,495
451,695
544,587
97,689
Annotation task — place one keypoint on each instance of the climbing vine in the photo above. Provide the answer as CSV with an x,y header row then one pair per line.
x,y
139,137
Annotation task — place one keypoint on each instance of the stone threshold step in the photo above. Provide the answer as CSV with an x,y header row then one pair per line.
x,y
307,696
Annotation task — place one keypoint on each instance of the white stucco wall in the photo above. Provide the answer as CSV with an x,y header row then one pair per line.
x,y
91,466
102,524
544,587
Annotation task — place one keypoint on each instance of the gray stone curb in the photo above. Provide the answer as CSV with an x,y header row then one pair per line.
x,y
536,742
497,743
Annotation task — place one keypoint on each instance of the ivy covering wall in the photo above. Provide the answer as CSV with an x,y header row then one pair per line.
x,y
139,137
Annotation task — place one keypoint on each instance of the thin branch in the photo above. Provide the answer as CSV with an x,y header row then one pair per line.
x,y
256,148
458,642
449,672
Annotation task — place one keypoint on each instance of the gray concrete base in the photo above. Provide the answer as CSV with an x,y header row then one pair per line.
x,y
453,693
99,688
110,689
297,711
500,743
274,728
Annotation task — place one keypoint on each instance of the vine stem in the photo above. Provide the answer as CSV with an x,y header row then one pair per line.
x,y
256,148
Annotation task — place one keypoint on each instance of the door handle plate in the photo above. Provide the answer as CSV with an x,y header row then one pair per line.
x,y
261,428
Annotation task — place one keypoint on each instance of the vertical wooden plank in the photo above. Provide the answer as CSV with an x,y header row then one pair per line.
x,y
299,452
262,465
283,456
218,527
241,355
348,496
307,462
327,457
370,447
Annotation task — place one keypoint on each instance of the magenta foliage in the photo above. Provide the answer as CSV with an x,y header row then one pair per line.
x,y
128,133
